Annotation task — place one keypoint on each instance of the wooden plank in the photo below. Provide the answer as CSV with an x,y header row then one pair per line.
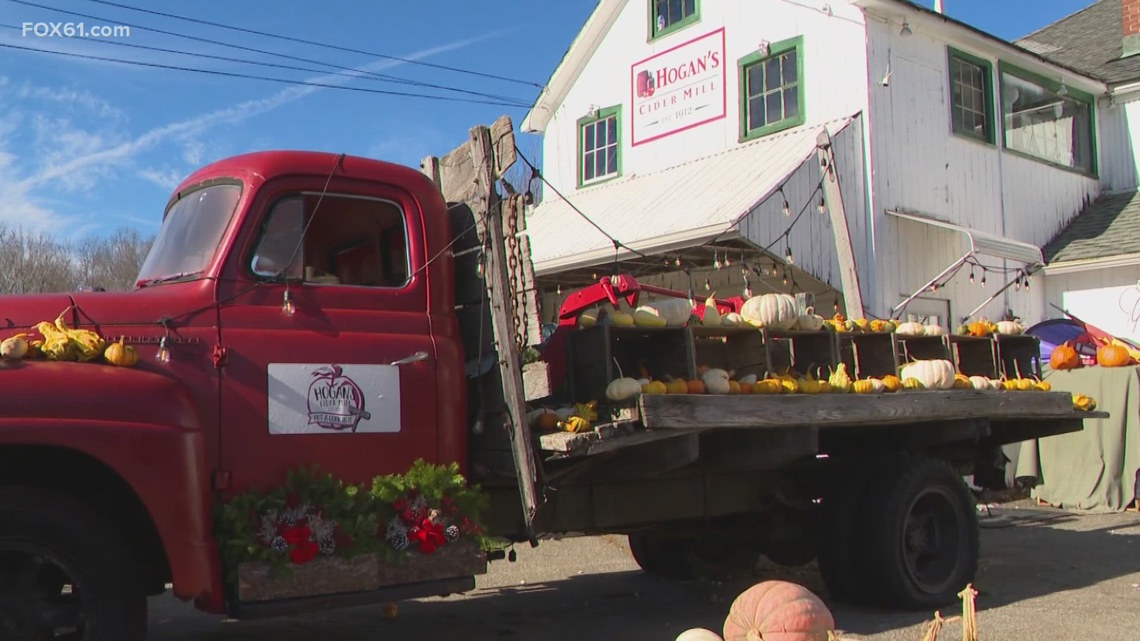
x,y
527,297
688,411
503,140
457,176
536,380
495,274
833,195
430,167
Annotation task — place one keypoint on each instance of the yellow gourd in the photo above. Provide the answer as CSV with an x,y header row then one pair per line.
x,y
839,380
767,386
121,354
892,383
912,383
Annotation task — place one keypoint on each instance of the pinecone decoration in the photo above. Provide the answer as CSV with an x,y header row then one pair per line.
x,y
327,545
398,539
419,508
279,544
452,533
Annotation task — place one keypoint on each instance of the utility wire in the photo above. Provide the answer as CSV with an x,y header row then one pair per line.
x,y
266,78
318,44
260,63
216,42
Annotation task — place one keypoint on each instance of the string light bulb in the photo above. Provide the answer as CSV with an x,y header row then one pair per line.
x,y
983,277
287,306
971,275
787,209
822,205
163,353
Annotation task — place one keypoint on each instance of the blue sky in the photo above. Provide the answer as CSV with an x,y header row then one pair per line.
x,y
87,146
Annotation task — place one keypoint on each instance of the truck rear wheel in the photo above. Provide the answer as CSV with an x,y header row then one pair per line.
x,y
64,573
918,534
662,555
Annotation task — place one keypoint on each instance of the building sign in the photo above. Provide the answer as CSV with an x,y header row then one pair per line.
x,y
678,89
319,398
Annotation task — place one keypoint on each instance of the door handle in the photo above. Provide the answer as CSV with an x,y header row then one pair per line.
x,y
414,358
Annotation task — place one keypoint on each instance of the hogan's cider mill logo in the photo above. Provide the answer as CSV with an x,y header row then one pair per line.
x,y
649,81
336,402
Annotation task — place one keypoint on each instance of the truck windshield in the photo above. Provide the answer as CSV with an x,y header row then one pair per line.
x,y
190,234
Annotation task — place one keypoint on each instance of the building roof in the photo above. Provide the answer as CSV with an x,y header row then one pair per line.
x,y
1090,41
678,207
1110,226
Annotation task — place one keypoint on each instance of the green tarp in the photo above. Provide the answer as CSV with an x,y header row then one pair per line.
x,y
1093,470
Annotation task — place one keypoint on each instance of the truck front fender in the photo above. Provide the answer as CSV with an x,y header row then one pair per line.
x,y
144,427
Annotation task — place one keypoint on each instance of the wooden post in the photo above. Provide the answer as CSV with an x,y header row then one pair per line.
x,y
486,207
833,195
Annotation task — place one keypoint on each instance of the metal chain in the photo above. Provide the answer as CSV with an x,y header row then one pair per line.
x,y
515,273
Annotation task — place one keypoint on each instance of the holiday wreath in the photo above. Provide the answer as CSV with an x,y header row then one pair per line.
x,y
314,515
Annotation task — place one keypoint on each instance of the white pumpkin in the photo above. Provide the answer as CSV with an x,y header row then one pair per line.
x,y
621,389
911,329
981,383
810,322
645,318
716,381
712,314
675,311
698,634
996,383
933,330
1012,328
732,319
774,311
933,374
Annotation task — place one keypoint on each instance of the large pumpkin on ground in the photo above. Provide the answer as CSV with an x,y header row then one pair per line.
x,y
775,311
778,611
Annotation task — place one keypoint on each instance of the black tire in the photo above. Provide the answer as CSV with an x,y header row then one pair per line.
x,y
49,542
662,555
919,534
837,552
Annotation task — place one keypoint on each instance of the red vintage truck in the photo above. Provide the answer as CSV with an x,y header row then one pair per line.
x,y
304,308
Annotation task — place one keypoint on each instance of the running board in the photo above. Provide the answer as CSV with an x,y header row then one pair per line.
x,y
287,607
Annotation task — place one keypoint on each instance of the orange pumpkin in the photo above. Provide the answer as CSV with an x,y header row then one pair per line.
x,y
696,386
1064,356
778,611
1113,355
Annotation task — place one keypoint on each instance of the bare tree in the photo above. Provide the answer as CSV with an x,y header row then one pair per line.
x,y
112,262
34,262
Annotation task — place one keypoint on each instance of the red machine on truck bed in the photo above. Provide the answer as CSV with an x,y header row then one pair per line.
x,y
280,280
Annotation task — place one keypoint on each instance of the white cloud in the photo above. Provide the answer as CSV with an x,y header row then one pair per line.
x,y
123,152
70,98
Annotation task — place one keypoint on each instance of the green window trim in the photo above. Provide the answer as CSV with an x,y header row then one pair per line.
x,y
584,122
991,114
655,33
774,50
1052,84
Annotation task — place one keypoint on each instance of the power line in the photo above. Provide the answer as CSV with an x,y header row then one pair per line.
x,y
318,44
253,77
213,42
260,63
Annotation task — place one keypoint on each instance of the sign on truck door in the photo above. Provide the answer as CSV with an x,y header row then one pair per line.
x,y
329,359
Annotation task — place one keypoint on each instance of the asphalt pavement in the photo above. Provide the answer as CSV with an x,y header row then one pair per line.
x,y
1044,573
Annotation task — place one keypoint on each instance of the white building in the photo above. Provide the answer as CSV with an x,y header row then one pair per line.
x,y
685,127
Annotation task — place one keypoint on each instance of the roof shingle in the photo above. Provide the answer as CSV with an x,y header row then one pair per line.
x,y
1090,41
1110,226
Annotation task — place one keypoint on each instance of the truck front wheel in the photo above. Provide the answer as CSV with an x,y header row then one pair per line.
x,y
919,534
64,573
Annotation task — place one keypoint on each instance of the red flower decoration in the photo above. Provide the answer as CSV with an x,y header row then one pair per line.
x,y
429,536
399,505
303,552
296,534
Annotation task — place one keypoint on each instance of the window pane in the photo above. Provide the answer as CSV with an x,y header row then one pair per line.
x,y
612,130
1041,123
690,7
772,74
600,131
600,163
674,11
775,106
755,80
588,167
791,103
756,117
790,72
588,136
611,160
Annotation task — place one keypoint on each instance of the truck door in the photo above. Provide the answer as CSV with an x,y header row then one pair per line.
x,y
329,357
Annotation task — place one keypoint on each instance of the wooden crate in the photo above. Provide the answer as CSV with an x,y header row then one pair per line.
x,y
922,348
595,354
739,350
1019,355
869,354
815,353
974,355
